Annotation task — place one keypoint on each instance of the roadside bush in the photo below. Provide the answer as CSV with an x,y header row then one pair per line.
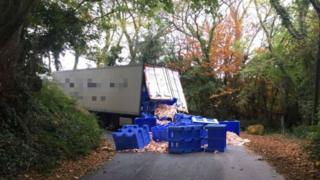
x,y
305,132
311,133
53,128
315,145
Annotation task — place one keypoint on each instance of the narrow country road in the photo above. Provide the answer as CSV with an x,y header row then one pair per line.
x,y
237,163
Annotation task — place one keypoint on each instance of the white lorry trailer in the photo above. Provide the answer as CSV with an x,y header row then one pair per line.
x,y
118,91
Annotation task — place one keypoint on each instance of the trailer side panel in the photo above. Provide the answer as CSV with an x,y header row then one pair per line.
x,y
110,89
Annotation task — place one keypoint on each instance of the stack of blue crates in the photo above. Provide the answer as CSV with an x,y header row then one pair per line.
x,y
151,121
203,132
184,138
232,125
131,137
217,138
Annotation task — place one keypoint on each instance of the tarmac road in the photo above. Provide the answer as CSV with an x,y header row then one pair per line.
x,y
237,163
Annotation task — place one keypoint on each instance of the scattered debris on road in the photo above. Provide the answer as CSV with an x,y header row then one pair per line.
x,y
160,147
288,155
157,147
75,169
234,139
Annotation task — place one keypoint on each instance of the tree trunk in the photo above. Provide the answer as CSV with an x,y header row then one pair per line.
x,y
76,60
49,63
316,6
16,82
9,57
12,18
317,79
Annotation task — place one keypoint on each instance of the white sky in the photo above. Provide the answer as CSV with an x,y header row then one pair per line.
x,y
67,62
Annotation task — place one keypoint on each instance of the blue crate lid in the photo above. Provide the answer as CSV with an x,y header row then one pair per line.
x,y
200,119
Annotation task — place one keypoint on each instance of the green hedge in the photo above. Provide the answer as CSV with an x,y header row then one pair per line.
x,y
311,133
53,128
315,146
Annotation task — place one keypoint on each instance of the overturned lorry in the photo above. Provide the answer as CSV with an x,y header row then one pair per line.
x,y
118,92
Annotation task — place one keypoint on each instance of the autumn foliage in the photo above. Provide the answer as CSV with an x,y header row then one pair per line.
x,y
225,54
226,57
191,54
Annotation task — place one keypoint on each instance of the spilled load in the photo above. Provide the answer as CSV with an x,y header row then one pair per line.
x,y
152,97
165,111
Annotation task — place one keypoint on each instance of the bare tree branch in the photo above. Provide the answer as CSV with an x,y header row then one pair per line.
x,y
262,24
286,21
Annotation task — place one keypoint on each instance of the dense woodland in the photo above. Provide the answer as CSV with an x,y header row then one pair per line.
x,y
253,60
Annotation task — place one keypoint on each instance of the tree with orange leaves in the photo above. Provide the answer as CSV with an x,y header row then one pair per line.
x,y
191,54
226,57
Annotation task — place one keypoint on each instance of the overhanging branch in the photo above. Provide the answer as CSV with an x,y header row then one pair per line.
x,y
286,21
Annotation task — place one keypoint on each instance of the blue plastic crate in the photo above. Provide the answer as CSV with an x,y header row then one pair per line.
x,y
178,147
148,107
204,141
203,133
129,126
146,135
196,145
216,145
176,133
160,133
127,140
143,132
185,146
233,126
216,131
196,131
184,132
141,135
155,134
151,121
146,114
179,133
183,118
204,136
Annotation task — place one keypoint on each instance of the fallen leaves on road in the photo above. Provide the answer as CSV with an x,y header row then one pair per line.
x,y
234,139
75,169
288,155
